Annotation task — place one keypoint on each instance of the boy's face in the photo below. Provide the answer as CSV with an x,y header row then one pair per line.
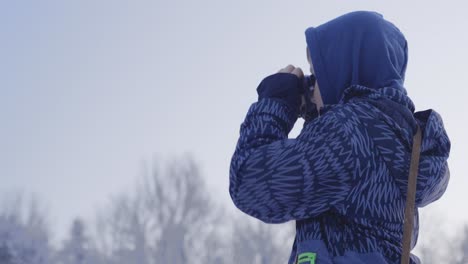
x,y
316,97
309,60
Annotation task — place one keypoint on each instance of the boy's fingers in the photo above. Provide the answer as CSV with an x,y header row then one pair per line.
x,y
287,69
298,72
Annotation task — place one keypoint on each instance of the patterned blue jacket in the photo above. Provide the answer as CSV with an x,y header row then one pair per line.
x,y
344,178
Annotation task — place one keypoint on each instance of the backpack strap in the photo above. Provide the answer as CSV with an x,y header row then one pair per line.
x,y
410,197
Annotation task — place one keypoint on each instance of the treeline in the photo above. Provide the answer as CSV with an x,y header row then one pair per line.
x,y
168,217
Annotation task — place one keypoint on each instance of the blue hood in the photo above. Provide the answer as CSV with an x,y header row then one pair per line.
x,y
360,47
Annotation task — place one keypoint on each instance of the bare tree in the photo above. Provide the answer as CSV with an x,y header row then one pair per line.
x,y
169,218
122,231
434,243
259,243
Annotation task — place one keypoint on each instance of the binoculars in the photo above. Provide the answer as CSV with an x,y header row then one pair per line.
x,y
308,109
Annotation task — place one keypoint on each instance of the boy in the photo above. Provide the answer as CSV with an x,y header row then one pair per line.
x,y
344,178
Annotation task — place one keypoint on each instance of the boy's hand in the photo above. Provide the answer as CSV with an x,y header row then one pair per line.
x,y
285,85
291,69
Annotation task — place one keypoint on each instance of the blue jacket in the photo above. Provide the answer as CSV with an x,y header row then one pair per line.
x,y
344,178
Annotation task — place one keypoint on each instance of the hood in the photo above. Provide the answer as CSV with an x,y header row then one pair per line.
x,y
361,48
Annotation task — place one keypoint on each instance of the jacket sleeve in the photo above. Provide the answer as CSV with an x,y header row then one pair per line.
x,y
275,178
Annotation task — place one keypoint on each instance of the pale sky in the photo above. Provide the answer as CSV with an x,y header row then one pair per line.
x,y
90,89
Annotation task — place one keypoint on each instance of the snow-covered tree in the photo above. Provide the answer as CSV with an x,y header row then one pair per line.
x,y
78,248
463,247
24,237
